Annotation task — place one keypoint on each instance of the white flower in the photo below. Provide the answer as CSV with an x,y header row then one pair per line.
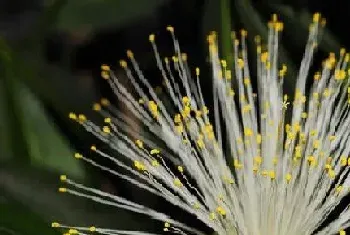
x,y
271,176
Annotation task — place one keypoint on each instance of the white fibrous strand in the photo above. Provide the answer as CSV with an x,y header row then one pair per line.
x,y
250,171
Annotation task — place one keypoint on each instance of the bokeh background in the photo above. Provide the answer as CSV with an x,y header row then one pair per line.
x,y
50,55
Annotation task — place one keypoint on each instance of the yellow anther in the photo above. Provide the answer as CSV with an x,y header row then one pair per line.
x,y
170,28
96,107
317,76
139,165
129,54
240,63
264,57
231,92
72,116
141,101
304,115
258,139
107,120
248,132
246,108
212,216
175,59
55,225
221,211
237,164
105,74
196,205
275,160
223,63
339,74
197,71
73,231
123,63
81,118
316,144
184,56
246,81
200,143
177,118
338,189
180,169
205,110
332,138
105,67
331,174
105,102
78,155
155,163
313,132
316,17
155,151
272,175
153,108
93,148
244,33
106,129
258,160
177,182
63,178
343,161
342,232
186,100
179,129
62,190
92,229
288,177
328,166
151,37
139,144
167,225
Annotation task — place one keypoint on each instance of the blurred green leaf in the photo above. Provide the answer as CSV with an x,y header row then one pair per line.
x,y
37,189
46,146
226,30
16,142
20,220
96,14
27,134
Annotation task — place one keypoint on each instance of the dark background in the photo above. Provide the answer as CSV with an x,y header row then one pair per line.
x,y
51,52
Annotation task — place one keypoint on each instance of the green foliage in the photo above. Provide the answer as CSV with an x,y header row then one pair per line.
x,y
97,14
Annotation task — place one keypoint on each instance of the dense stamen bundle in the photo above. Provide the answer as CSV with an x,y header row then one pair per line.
x,y
251,171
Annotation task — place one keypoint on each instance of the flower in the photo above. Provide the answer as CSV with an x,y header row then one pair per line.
x,y
252,170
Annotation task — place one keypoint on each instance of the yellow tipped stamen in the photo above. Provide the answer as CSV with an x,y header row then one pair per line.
x,y
73,231
72,116
105,67
170,28
130,54
155,151
55,225
63,178
96,107
151,37
105,102
177,182
78,155
62,190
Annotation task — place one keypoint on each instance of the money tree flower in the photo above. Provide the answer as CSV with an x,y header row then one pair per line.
x,y
261,162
